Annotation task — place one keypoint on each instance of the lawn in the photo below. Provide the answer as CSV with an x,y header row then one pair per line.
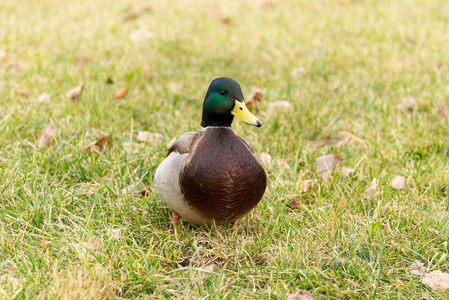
x,y
68,232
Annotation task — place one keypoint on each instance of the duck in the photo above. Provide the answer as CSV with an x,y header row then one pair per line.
x,y
213,175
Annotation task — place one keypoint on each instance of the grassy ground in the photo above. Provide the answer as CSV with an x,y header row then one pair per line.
x,y
343,65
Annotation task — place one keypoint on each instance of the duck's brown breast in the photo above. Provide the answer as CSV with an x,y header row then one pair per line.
x,y
223,180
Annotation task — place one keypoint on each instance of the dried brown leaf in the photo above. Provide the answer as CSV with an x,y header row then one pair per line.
x,y
346,172
325,165
442,111
307,185
187,263
301,295
44,138
417,268
103,142
408,103
145,192
371,191
255,98
73,94
132,15
148,137
437,280
398,182
121,93
294,203
226,21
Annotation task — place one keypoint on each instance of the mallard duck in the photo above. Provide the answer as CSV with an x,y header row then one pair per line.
x,y
213,175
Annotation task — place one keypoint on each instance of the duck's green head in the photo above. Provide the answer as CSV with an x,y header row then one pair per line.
x,y
223,101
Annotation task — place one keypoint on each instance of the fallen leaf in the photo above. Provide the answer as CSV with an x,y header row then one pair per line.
x,y
120,93
301,295
44,98
442,111
408,103
437,280
325,165
370,192
279,104
346,172
145,192
187,263
132,15
115,233
73,94
265,158
23,92
129,190
417,268
226,21
44,138
294,203
398,182
140,35
103,142
307,185
255,98
148,137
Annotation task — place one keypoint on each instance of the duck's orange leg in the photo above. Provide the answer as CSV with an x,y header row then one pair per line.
x,y
175,219
236,225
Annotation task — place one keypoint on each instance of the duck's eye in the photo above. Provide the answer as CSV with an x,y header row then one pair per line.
x,y
222,93
241,108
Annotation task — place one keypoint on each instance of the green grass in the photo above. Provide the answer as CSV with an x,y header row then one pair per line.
x,y
359,57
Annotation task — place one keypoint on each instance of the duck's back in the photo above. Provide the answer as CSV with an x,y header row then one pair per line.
x,y
223,179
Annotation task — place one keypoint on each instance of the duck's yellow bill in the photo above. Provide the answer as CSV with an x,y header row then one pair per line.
x,y
241,111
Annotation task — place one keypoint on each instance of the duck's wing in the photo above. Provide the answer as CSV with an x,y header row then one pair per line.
x,y
250,149
247,144
186,142
166,178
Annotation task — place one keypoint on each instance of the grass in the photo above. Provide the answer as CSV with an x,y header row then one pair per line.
x,y
343,65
